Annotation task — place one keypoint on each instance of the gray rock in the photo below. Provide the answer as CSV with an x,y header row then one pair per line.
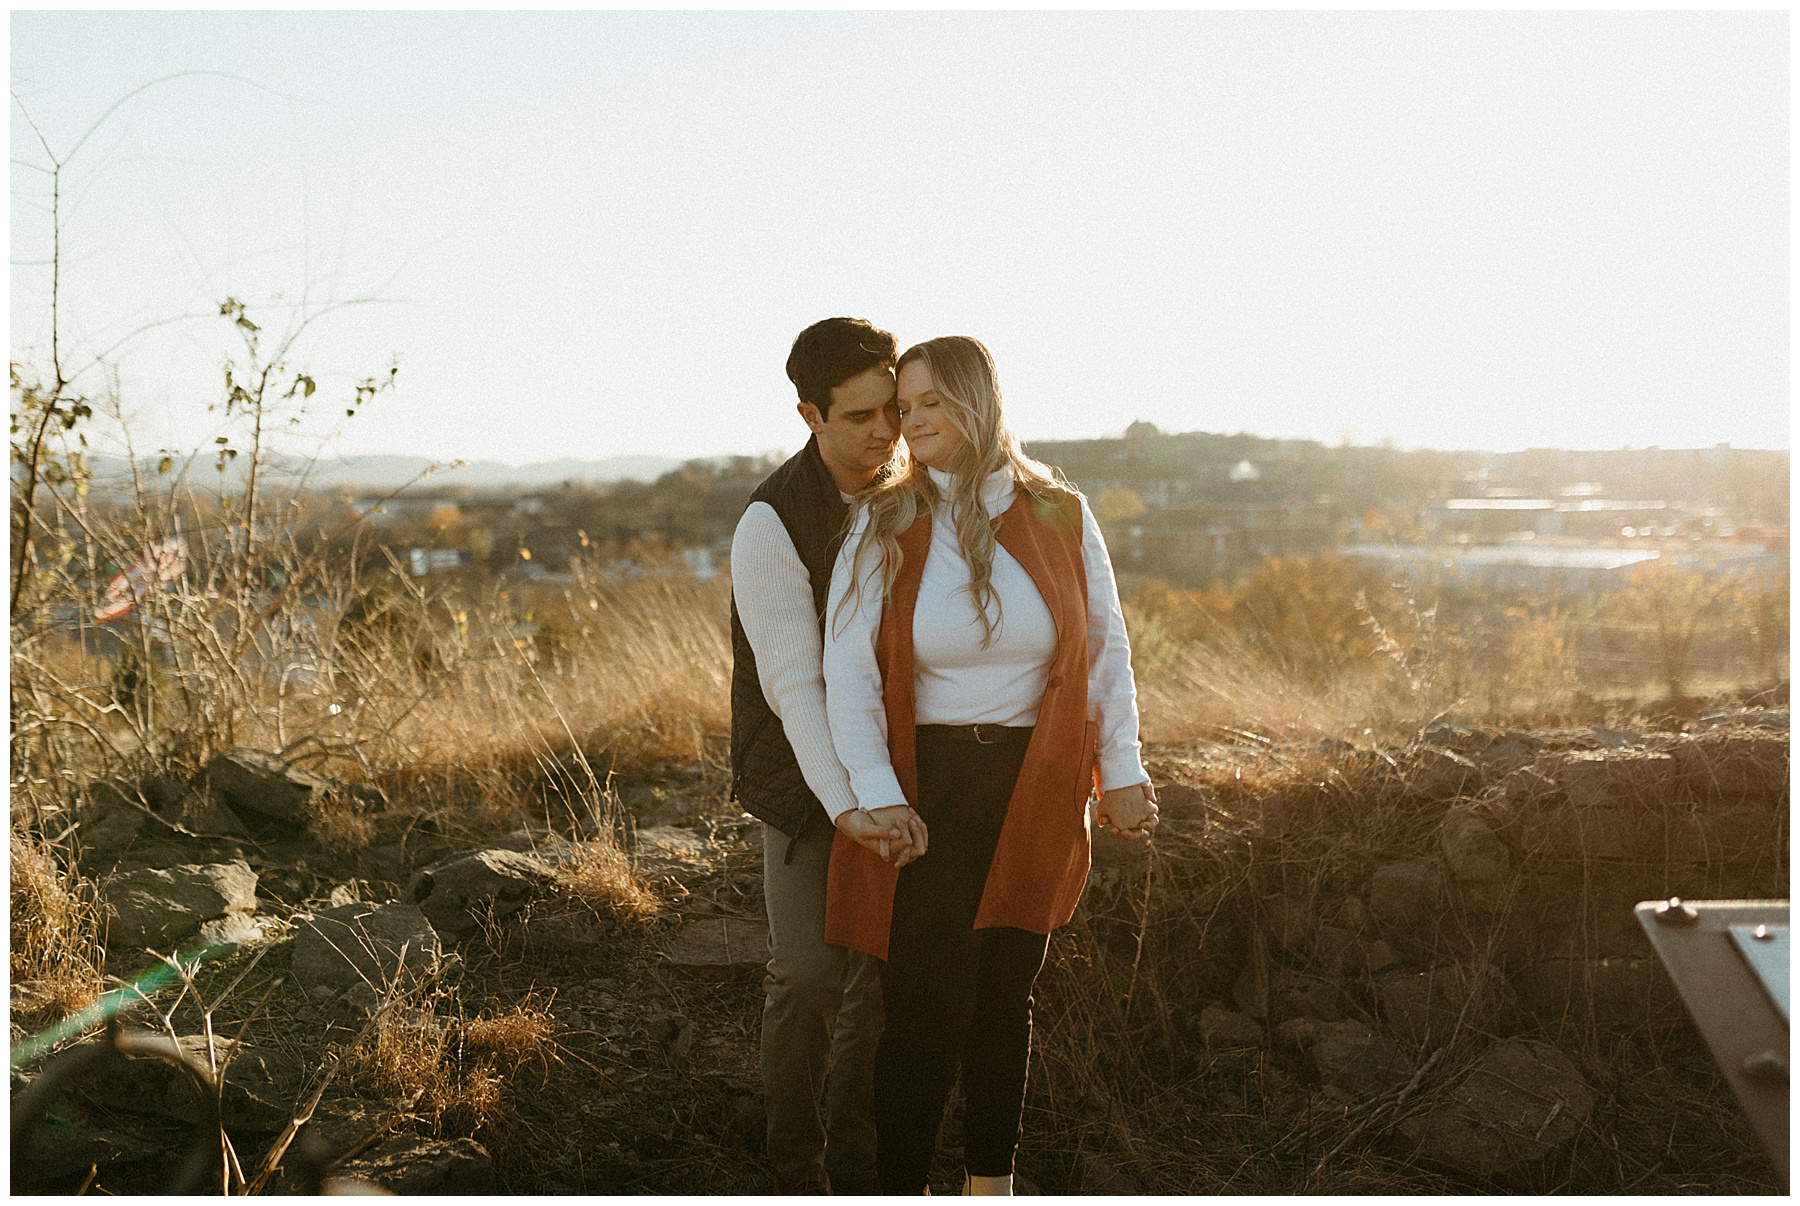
x,y
1298,1032
673,1035
1761,718
1283,993
161,792
1523,1101
257,782
653,806
236,929
203,813
1724,763
1422,1007
1096,1175
1471,850
1604,779
1438,773
259,1093
361,942
1406,894
1378,956
260,1087
339,1124
566,933
1503,757
138,1086
1111,850
1291,924
550,847
1356,1057
1295,994
459,895
1250,992
108,825
671,841
58,1150
720,942
1340,951
157,907
113,815
1619,991
1222,1029
411,1165
670,853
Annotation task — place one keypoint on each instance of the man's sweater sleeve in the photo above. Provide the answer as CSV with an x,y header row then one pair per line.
x,y
773,593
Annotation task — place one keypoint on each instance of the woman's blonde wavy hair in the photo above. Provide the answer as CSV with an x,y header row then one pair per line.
x,y
968,386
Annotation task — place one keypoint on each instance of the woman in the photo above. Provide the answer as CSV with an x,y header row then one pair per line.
x,y
975,667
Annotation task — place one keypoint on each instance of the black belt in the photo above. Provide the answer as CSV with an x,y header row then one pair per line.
x,y
976,734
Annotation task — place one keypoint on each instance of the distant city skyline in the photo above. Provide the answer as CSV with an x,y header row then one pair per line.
x,y
594,234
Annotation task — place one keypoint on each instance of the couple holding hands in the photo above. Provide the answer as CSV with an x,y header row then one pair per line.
x,y
930,678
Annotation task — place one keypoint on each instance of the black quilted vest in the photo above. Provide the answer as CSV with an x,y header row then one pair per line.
x,y
765,776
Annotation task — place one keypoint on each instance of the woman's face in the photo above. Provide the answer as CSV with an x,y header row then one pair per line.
x,y
929,434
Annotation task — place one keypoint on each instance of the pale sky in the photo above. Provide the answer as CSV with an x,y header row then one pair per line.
x,y
595,233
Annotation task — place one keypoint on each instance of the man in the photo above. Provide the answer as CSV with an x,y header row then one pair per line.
x,y
822,1006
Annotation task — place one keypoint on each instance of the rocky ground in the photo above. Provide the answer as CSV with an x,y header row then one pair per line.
x,y
1339,969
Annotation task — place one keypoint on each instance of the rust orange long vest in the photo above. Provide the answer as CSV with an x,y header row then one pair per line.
x,y
1041,863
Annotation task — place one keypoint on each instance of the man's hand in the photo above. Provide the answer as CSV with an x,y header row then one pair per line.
x,y
1130,812
895,833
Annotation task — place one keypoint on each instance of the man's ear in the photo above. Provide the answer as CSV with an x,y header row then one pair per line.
x,y
815,421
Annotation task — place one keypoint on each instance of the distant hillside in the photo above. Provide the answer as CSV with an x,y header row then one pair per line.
x,y
384,472
390,472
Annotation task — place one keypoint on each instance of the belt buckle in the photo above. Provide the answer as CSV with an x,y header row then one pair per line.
x,y
978,737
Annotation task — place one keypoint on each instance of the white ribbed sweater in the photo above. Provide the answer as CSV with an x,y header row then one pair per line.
x,y
773,593
957,682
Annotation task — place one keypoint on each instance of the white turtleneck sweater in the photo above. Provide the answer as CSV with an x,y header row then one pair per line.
x,y
956,681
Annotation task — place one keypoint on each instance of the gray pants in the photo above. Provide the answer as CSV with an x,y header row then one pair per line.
x,y
821,1023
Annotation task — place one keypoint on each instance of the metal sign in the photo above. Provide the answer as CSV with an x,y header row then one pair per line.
x,y
1765,949
1735,986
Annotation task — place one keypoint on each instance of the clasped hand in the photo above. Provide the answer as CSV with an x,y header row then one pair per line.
x,y
896,832
1130,812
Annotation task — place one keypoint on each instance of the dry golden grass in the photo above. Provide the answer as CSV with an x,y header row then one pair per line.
x,y
55,954
603,878
513,1037
456,1077
338,821
401,1058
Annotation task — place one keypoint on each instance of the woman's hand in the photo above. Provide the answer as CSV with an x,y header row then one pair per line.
x,y
896,832
1130,812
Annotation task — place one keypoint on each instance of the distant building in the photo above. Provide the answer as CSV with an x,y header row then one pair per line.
x,y
1525,565
1204,540
1484,520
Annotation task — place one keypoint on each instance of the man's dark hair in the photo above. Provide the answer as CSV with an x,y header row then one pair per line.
x,y
832,351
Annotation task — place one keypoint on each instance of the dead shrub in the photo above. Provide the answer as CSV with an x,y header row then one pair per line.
x,y
600,876
339,822
402,1056
513,1037
56,951
473,1100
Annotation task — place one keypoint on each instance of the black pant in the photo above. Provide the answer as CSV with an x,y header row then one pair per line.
x,y
953,994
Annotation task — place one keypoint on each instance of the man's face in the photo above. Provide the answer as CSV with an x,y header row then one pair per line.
x,y
859,435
